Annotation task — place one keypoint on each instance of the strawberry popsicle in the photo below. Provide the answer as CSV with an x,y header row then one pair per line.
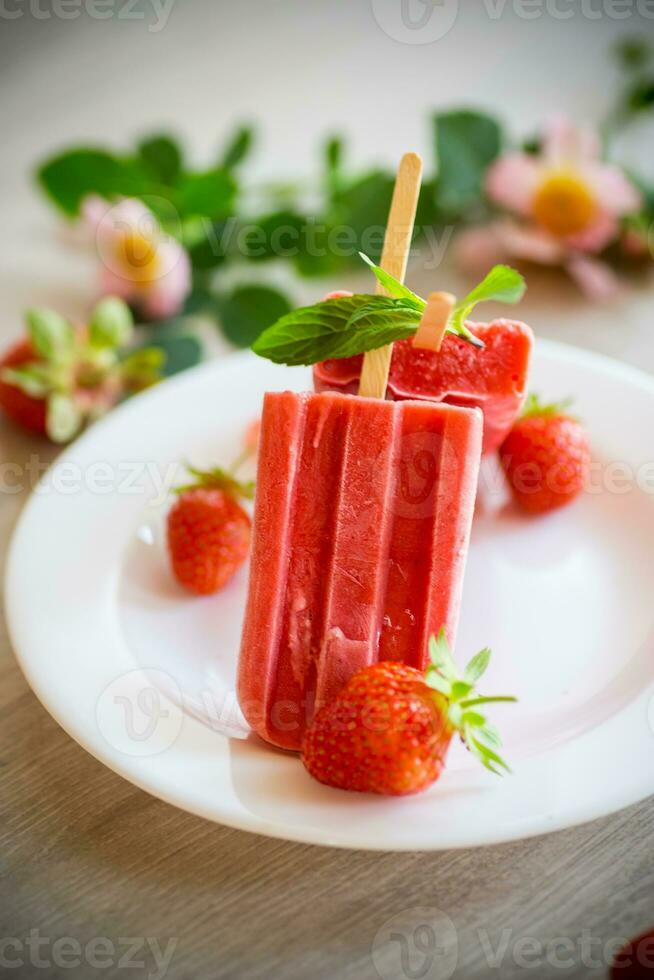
x,y
362,518
493,378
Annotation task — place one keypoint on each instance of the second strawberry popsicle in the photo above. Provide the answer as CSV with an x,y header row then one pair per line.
x,y
361,527
492,378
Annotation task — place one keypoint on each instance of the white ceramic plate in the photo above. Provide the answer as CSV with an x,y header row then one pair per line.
x,y
142,675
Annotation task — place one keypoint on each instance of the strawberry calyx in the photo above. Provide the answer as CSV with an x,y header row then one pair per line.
x,y
478,735
535,408
80,373
218,478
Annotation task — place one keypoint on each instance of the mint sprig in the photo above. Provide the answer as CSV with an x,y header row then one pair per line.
x,y
478,735
337,328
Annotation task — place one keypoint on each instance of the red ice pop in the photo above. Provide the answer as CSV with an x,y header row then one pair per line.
x,y
362,519
493,378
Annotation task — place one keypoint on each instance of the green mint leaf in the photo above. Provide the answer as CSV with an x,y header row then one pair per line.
x,y
249,310
314,333
334,154
29,379
208,194
477,666
384,312
162,157
180,353
111,324
502,284
394,287
63,418
465,144
50,333
69,177
238,147
278,234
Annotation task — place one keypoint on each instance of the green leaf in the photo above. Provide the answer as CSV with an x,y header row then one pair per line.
x,y
441,657
221,479
111,324
182,352
384,311
633,53
361,206
534,407
209,250
29,379
63,418
180,348
210,193
69,177
249,310
334,153
466,144
314,333
394,286
162,157
434,679
238,147
51,334
276,235
502,284
477,666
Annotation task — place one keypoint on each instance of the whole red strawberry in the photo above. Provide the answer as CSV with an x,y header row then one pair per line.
x,y
59,377
546,457
390,728
27,411
208,531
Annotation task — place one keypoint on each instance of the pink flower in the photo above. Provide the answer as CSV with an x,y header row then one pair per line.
x,y
566,190
565,202
139,262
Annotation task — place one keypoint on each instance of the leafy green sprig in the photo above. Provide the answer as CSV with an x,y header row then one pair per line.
x,y
349,325
477,733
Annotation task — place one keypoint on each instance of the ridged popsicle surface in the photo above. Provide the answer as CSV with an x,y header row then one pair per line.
x,y
362,520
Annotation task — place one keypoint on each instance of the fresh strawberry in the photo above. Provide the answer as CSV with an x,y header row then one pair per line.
x,y
208,531
27,411
390,728
59,378
546,457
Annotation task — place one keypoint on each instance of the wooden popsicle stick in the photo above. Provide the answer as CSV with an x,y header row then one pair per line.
x,y
395,253
433,325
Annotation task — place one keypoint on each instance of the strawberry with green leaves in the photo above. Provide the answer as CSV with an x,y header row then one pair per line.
x,y
208,530
60,378
546,457
390,728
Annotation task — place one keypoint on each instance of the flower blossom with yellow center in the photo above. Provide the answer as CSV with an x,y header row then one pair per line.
x,y
139,262
563,205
